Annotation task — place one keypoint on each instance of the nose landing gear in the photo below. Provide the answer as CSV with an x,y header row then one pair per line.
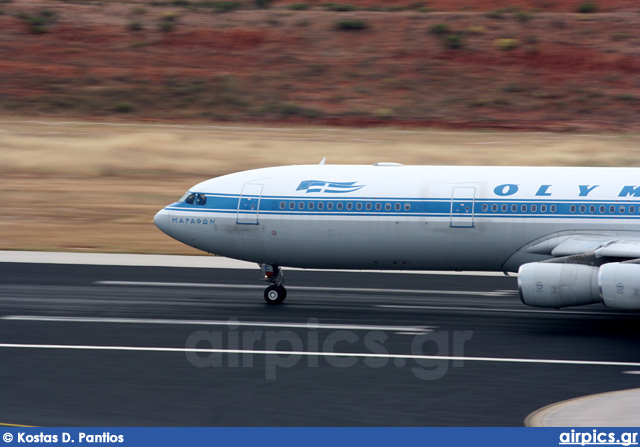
x,y
275,293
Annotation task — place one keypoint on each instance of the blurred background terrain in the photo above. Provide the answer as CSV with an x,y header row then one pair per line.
x,y
536,64
110,110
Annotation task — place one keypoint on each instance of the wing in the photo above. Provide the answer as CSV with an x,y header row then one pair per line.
x,y
601,246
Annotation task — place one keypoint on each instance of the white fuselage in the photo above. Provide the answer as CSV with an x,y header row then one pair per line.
x,y
402,217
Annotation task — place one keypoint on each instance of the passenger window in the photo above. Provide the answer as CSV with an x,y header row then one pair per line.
x,y
359,206
339,206
583,209
407,207
523,208
572,208
292,206
387,206
504,207
283,205
349,206
310,205
553,208
368,206
330,206
514,208
378,206
632,209
485,208
398,207
320,205
534,208
543,208
592,209
612,209
603,208
622,208
494,207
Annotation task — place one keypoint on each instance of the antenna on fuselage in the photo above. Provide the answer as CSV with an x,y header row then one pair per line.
x,y
323,160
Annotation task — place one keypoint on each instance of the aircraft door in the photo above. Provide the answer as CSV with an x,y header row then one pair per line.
x,y
462,207
249,204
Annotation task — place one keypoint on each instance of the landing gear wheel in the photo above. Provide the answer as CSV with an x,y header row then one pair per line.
x,y
275,294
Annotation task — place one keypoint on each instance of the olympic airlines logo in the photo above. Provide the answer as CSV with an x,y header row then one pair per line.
x,y
328,187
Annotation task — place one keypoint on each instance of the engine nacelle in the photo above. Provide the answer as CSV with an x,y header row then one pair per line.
x,y
558,285
620,285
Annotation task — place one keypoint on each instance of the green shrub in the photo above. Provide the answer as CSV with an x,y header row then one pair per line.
x,y
512,88
298,6
166,27
384,113
290,109
39,23
626,97
263,4
439,28
123,107
339,7
219,6
168,22
523,16
506,44
587,7
474,30
496,14
351,25
617,37
135,25
454,41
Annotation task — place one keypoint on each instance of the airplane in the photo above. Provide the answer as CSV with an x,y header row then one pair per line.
x,y
571,233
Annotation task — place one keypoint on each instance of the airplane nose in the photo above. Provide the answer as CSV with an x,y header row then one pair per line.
x,y
162,220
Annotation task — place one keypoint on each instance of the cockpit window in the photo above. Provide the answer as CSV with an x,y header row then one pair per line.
x,y
194,199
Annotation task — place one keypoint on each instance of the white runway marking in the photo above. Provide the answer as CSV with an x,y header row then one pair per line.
x,y
228,323
322,354
319,289
491,309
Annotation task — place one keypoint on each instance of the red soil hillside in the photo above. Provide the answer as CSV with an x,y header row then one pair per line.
x,y
535,64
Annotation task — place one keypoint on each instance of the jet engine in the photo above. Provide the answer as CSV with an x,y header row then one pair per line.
x,y
620,285
558,285
543,284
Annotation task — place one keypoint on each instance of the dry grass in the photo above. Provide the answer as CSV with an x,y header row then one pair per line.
x,y
96,187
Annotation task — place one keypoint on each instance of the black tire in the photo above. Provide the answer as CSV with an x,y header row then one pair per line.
x,y
275,294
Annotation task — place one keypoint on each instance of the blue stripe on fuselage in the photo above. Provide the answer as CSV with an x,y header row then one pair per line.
x,y
524,208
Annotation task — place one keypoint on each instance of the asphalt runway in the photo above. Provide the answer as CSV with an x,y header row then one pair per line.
x,y
89,345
